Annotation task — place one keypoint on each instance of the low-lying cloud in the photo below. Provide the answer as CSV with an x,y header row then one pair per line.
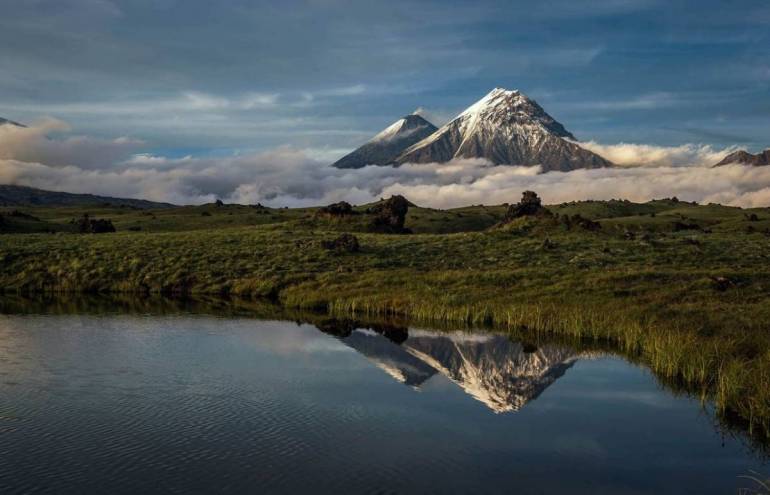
x,y
34,144
292,177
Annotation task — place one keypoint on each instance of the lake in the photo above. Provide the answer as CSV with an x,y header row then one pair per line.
x,y
200,403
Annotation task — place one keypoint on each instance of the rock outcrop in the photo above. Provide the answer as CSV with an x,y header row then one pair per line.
x,y
390,215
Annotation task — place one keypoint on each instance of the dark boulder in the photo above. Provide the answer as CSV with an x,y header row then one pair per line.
x,y
390,215
679,226
346,243
721,284
87,225
530,205
585,223
341,209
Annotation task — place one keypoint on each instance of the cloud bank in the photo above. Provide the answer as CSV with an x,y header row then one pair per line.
x,y
45,156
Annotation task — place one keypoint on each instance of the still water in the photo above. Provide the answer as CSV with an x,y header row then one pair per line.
x,y
204,404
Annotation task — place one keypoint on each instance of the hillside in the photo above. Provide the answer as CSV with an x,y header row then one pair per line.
x,y
28,196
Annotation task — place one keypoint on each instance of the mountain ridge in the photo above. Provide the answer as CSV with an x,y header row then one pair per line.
x,y
744,157
12,195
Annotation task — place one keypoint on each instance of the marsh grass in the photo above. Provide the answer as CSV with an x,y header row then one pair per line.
x,y
654,299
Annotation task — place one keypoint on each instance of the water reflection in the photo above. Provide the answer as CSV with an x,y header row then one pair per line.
x,y
502,374
169,401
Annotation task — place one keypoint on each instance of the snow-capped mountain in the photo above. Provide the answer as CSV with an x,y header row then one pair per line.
x,y
746,158
500,373
507,128
383,148
389,357
492,369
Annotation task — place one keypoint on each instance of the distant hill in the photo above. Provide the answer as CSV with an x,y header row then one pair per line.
x,y
10,122
746,158
29,196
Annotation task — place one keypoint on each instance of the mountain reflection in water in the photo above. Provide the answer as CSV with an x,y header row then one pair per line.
x,y
502,374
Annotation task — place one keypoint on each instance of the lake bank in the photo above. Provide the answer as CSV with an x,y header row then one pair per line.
x,y
686,288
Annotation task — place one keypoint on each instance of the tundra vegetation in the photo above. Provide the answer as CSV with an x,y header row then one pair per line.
x,y
681,287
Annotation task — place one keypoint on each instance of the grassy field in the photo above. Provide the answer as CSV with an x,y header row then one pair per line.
x,y
685,288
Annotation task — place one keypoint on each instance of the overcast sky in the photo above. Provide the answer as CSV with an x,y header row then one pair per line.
x,y
218,77
192,100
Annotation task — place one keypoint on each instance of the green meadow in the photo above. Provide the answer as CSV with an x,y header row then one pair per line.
x,y
683,288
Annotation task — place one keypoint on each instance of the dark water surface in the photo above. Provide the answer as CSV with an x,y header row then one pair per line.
x,y
202,404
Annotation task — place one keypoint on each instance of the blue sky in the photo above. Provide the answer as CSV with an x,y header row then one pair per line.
x,y
216,78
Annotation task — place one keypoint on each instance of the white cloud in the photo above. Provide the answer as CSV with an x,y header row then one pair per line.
x,y
644,155
34,144
292,177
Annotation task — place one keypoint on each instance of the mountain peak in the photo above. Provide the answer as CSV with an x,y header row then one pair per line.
x,y
386,145
746,158
503,106
507,128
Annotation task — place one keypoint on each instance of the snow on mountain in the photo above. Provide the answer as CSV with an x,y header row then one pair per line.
x,y
496,371
502,374
383,148
507,128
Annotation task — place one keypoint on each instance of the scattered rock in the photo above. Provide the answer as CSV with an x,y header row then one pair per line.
x,y
390,215
530,205
346,243
87,225
722,283
691,241
585,223
679,226
341,209
629,235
